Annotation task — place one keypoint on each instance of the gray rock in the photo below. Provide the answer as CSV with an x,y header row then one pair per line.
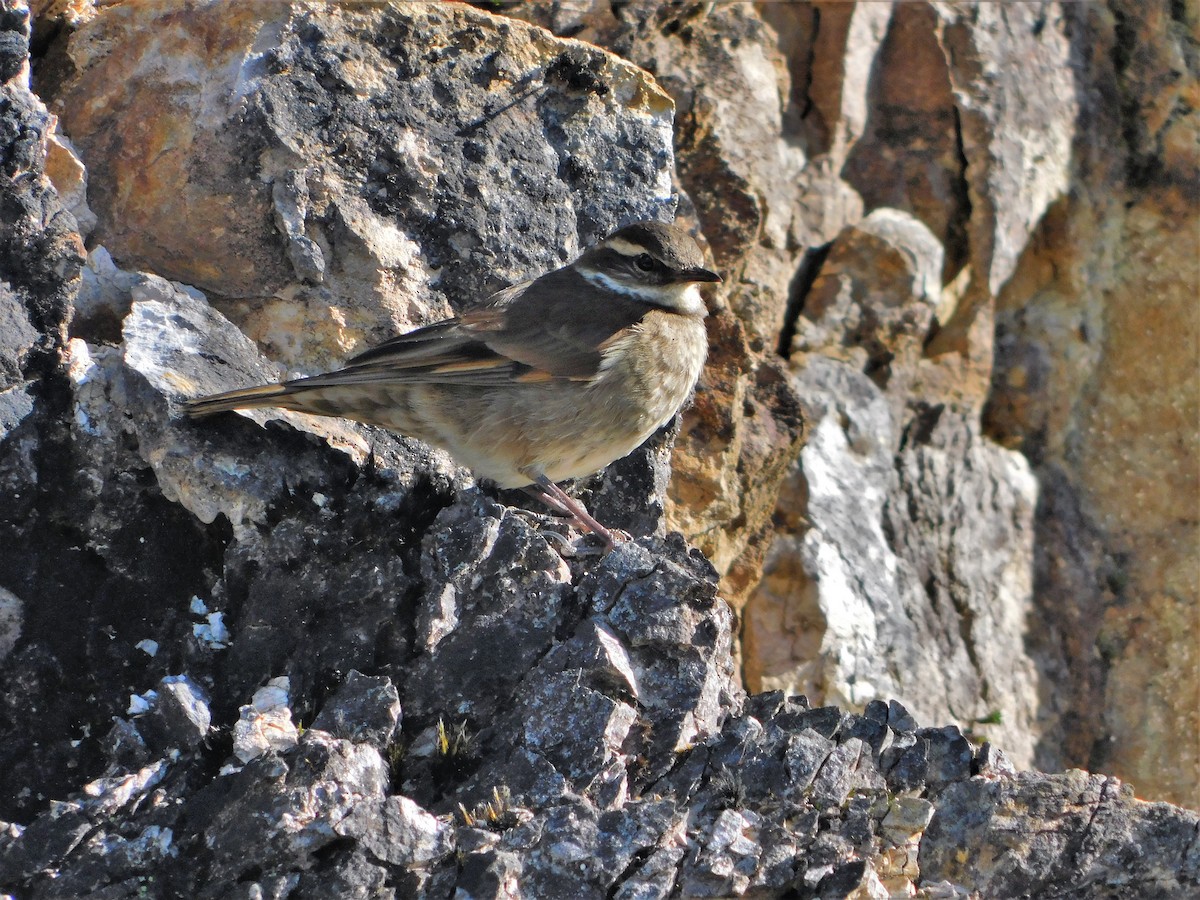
x,y
106,796
899,719
124,746
169,335
390,163
289,195
352,876
493,875
905,817
806,754
399,832
40,846
104,297
573,726
180,717
992,762
365,708
17,338
1005,126
840,773
679,634
283,807
39,264
16,403
874,300
42,250
1104,842
728,819
915,538
559,710
12,614
494,602
265,724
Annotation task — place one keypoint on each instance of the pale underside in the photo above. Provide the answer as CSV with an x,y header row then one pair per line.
x,y
559,427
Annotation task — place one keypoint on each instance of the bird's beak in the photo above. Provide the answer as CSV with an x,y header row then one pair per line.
x,y
698,274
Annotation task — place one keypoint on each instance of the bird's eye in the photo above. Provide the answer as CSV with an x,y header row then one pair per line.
x,y
645,262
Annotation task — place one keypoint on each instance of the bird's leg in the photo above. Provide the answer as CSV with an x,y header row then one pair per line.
x,y
558,499
556,510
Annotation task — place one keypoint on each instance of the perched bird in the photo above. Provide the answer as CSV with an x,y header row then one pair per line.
x,y
549,380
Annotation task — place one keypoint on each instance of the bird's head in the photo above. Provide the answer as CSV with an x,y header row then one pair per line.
x,y
652,262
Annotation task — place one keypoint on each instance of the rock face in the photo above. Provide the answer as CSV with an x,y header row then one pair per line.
x,y
1064,312
353,139
269,655
1095,382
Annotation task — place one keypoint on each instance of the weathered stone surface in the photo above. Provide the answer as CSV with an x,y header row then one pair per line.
x,y
283,807
1096,383
40,248
67,173
40,256
902,562
365,708
909,155
481,626
1016,142
399,832
633,662
17,338
1102,842
1017,184
353,170
759,209
874,303
265,723
736,441
119,424
179,719
573,725
700,787
503,158
12,614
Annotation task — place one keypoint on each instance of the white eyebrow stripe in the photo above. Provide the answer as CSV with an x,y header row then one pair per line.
x,y
624,247
601,280
677,297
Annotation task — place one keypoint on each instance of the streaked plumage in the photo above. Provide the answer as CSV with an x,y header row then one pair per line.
x,y
550,380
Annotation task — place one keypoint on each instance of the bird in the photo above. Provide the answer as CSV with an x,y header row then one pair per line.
x,y
546,381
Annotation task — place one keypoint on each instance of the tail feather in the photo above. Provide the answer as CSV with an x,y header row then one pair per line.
x,y
246,398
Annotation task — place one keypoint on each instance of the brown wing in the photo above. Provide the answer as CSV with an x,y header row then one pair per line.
x,y
559,330
561,327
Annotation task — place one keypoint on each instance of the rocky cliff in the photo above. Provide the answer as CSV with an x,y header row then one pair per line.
x,y
937,490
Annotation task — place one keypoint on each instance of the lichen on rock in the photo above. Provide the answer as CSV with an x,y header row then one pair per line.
x,y
270,655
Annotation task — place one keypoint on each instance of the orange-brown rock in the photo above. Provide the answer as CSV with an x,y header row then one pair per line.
x,y
269,155
962,235
736,442
1051,151
1096,381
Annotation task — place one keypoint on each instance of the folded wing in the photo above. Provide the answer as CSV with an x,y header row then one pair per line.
x,y
519,337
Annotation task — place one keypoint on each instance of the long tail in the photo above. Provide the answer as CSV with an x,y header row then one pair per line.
x,y
246,398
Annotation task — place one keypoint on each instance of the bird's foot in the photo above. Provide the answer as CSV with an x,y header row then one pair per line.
x,y
559,500
611,538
